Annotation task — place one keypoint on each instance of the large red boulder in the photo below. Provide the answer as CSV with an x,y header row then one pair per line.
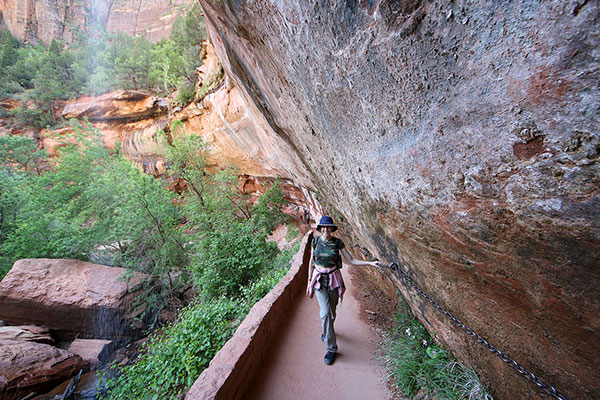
x,y
26,367
70,297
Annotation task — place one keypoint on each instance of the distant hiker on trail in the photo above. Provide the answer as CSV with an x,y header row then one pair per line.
x,y
325,278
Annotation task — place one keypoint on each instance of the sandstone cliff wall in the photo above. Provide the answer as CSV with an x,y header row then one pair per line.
x,y
44,20
459,138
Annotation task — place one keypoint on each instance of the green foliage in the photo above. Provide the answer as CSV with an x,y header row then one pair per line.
x,y
93,205
292,232
20,153
9,56
21,75
56,78
176,356
229,247
186,160
271,275
13,192
8,50
131,60
229,257
187,36
266,214
185,94
20,163
418,364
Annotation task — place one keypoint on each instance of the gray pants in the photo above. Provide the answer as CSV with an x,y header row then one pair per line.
x,y
328,300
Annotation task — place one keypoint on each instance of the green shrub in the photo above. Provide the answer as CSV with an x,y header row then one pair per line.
x,y
417,363
176,356
185,94
292,232
269,277
35,116
230,257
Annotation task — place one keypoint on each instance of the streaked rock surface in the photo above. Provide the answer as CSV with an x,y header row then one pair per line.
x,y
28,333
70,297
92,351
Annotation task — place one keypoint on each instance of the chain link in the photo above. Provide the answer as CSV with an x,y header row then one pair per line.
x,y
530,376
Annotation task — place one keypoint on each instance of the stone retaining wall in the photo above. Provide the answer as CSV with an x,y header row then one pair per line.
x,y
234,366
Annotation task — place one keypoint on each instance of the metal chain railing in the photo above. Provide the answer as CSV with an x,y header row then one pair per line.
x,y
530,376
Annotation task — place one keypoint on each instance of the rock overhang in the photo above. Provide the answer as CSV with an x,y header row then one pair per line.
x,y
446,136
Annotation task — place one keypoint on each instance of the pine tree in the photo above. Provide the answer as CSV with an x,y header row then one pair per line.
x,y
8,51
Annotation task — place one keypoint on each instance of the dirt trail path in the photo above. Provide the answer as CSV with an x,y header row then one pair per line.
x,y
294,368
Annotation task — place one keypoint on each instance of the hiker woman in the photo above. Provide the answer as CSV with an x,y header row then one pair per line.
x,y
325,278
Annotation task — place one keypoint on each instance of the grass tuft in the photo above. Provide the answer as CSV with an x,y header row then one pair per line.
x,y
418,365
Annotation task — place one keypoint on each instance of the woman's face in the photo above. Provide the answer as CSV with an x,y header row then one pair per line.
x,y
326,231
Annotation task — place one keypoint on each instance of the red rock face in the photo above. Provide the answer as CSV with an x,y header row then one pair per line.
x,y
70,297
460,139
121,106
37,20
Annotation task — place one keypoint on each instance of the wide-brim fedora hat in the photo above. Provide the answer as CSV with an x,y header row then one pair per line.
x,y
326,220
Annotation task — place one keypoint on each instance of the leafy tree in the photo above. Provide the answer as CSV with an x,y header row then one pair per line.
x,y
175,60
228,246
95,205
186,157
20,153
23,72
56,79
266,213
20,163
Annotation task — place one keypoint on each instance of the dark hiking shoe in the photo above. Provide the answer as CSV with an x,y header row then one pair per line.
x,y
329,357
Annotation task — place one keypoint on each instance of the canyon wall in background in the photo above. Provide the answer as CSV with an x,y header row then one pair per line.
x,y
44,20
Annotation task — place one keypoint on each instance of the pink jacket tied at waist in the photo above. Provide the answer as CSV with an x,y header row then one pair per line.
x,y
336,281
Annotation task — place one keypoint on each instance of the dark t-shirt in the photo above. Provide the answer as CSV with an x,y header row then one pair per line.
x,y
326,253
